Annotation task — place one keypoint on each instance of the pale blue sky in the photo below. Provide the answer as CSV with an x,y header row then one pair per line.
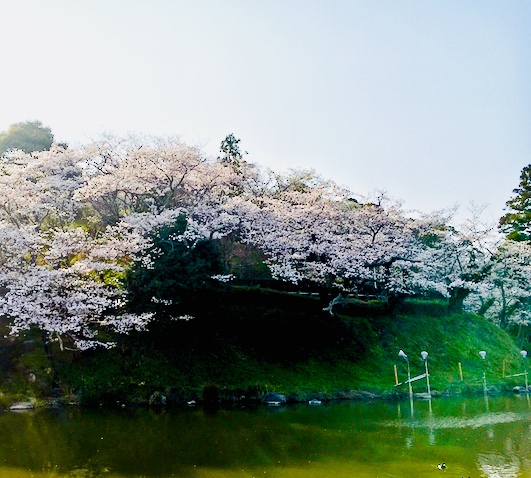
x,y
429,100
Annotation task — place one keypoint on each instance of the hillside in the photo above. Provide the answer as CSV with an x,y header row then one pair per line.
x,y
247,341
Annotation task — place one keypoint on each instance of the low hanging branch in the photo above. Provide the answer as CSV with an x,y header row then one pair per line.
x,y
388,263
340,299
337,300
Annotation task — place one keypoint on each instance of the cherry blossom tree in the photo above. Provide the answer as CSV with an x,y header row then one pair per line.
x,y
313,231
69,286
81,225
458,258
38,188
505,296
148,175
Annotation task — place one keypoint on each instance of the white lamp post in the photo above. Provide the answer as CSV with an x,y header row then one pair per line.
x,y
483,355
424,356
402,354
523,353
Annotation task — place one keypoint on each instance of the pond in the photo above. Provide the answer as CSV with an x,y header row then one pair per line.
x,y
473,437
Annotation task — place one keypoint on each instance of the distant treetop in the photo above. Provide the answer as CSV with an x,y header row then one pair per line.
x,y
28,136
230,147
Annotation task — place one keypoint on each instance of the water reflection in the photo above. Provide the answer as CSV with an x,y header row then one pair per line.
x,y
473,419
472,437
495,465
504,423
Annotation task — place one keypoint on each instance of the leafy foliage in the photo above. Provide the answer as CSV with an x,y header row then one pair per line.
x,y
176,268
28,136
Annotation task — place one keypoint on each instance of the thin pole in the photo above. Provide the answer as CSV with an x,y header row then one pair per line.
x,y
483,355
427,377
460,371
396,375
410,390
409,382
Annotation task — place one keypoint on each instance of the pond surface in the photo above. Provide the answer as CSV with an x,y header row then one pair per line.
x,y
474,437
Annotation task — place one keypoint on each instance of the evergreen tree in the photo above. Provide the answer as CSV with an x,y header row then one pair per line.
x,y
232,154
516,224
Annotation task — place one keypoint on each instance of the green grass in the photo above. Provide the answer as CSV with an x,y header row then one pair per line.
x,y
252,341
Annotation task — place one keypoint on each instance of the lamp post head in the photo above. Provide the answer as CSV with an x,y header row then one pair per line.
x,y
424,355
523,353
402,354
483,354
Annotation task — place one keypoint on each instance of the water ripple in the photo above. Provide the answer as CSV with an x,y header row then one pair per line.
x,y
478,421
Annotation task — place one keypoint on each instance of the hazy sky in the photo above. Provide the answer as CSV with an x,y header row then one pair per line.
x,y
429,100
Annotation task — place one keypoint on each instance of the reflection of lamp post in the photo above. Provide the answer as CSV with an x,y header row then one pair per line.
x,y
523,353
424,356
404,356
483,355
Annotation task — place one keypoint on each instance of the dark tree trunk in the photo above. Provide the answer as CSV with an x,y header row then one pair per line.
x,y
457,297
394,302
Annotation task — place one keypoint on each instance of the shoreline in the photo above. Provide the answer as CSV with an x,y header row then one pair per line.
x,y
231,401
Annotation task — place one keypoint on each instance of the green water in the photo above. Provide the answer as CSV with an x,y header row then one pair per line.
x,y
474,437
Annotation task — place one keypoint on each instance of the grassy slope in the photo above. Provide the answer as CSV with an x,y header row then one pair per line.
x,y
250,341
